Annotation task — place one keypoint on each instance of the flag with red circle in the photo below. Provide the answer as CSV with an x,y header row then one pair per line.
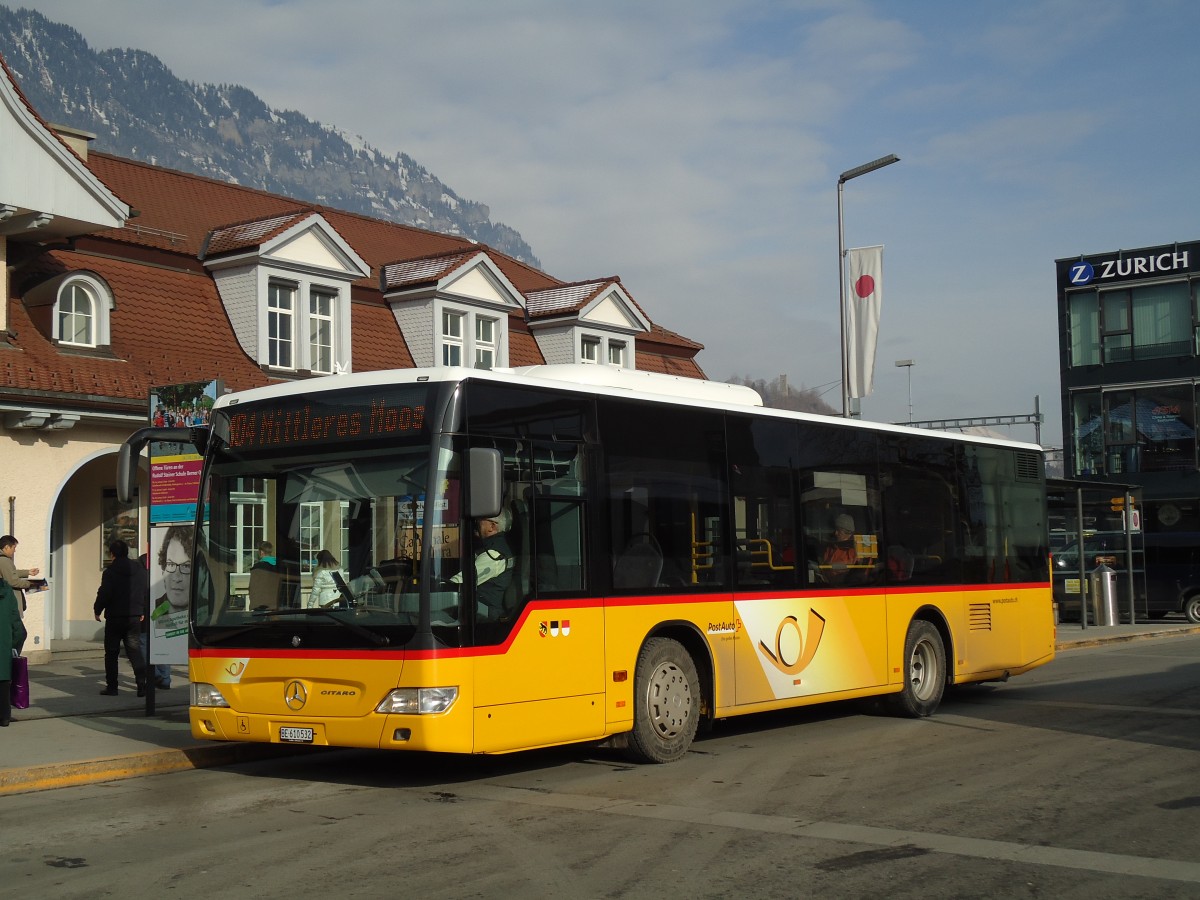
x,y
863,301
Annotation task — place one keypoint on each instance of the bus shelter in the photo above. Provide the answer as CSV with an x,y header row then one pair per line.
x,y
1096,537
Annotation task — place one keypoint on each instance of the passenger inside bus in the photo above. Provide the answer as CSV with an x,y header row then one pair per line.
x,y
899,563
840,553
329,582
264,578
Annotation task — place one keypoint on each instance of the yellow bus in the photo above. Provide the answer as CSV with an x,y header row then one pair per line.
x,y
479,561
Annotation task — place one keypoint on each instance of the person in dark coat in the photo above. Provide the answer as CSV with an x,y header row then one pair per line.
x,y
122,600
12,638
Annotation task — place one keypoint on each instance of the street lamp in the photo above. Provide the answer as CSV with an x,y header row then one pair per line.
x,y
908,364
842,179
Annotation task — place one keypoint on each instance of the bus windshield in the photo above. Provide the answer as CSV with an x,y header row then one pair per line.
x,y
325,549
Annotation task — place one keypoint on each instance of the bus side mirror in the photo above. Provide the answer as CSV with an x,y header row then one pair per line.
x,y
131,451
127,462
486,482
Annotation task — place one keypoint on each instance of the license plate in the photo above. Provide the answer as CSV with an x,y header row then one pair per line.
x,y
296,735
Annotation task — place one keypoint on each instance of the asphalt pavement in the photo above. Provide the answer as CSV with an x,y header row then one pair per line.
x,y
72,735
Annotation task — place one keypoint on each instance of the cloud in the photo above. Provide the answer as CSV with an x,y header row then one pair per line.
x,y
693,149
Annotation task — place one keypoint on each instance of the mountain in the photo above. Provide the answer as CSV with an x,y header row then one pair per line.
x,y
139,110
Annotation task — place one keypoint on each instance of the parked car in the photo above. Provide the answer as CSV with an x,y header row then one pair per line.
x,y
1173,574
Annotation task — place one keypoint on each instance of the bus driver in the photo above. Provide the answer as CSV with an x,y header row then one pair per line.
x,y
493,562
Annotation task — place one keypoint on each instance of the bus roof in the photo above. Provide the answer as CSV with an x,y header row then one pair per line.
x,y
602,379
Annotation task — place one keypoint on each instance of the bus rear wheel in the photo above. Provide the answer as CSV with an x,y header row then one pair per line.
x,y
1191,608
924,673
667,702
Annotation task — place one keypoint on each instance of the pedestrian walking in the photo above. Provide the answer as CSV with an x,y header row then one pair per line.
x,y
122,600
12,639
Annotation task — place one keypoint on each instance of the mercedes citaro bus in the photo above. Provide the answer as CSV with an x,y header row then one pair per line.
x,y
667,556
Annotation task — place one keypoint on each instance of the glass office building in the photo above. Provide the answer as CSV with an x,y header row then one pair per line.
x,y
1129,346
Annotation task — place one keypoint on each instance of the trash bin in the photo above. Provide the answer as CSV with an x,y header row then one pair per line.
x,y
1103,588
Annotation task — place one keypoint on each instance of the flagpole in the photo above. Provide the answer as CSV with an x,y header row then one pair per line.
x,y
842,179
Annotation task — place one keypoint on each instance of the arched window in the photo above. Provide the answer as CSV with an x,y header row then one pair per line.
x,y
76,317
82,306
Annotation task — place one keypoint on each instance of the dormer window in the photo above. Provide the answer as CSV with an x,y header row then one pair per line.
x,y
281,306
76,316
589,322
284,319
485,342
452,308
452,338
594,349
321,305
471,338
73,309
285,282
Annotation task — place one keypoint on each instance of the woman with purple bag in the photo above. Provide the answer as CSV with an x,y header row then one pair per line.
x,y
12,639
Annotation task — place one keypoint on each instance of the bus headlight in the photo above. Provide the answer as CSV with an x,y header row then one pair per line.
x,y
207,695
418,701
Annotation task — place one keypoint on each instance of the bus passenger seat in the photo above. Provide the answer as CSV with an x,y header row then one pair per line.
x,y
264,588
640,564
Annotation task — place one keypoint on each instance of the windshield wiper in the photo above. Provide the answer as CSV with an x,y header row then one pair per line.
x,y
366,634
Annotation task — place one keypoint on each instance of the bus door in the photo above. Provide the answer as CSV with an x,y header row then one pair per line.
x,y
538,674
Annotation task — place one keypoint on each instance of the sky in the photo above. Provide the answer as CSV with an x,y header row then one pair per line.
x,y
693,148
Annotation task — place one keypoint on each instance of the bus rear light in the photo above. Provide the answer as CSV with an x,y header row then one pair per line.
x,y
207,695
418,701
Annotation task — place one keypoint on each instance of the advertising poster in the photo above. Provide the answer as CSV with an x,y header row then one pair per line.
x,y
170,588
175,467
174,492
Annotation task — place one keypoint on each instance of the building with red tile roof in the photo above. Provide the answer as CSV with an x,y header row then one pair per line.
x,y
120,277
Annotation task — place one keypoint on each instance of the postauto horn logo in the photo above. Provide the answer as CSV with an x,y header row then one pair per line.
x,y
795,663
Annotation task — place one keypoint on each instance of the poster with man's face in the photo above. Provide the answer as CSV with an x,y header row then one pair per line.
x,y
170,585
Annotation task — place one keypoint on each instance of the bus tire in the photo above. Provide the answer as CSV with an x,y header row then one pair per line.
x,y
666,702
1191,608
924,673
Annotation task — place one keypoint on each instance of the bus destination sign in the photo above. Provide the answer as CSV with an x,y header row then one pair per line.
x,y
329,419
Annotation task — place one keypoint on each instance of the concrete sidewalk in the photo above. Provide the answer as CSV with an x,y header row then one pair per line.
x,y
72,735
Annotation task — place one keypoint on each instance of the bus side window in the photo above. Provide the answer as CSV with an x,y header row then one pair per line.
x,y
519,542
761,457
559,515
841,528
667,497
920,509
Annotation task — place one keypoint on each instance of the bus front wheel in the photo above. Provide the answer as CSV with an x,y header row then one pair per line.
x,y
666,702
924,672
